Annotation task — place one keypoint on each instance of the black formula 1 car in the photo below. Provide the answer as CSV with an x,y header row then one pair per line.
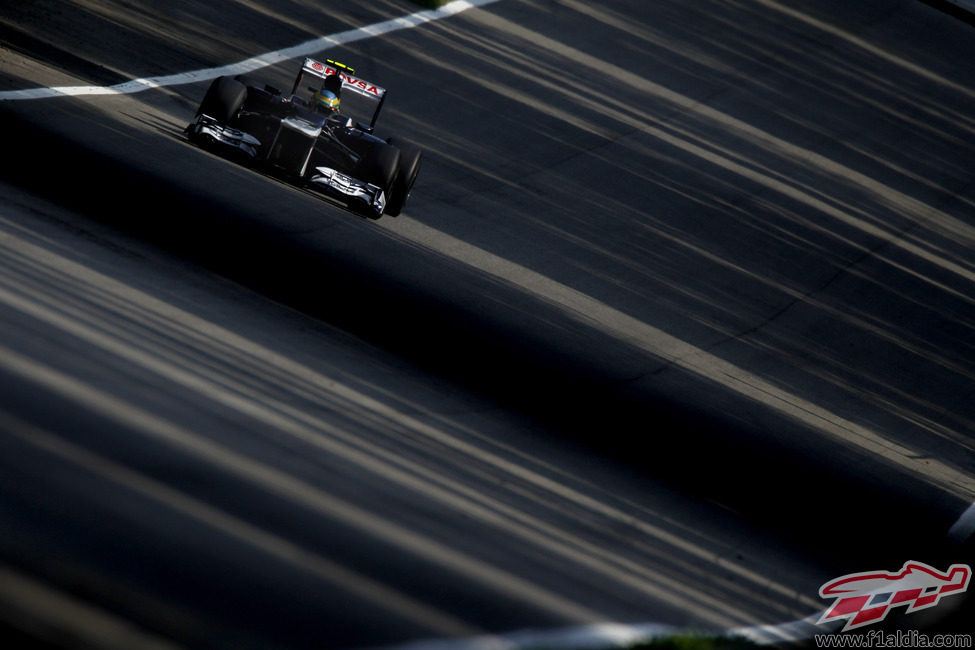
x,y
319,137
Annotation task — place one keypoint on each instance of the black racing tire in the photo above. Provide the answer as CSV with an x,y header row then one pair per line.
x,y
410,160
223,99
380,166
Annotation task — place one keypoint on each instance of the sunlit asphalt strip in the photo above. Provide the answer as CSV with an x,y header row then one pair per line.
x,y
254,63
51,606
78,623
699,362
25,255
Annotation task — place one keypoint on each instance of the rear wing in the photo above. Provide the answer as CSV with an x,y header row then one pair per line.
x,y
349,82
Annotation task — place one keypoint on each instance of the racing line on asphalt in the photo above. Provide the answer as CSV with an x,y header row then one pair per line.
x,y
254,63
589,636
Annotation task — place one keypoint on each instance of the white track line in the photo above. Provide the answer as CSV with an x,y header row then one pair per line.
x,y
255,63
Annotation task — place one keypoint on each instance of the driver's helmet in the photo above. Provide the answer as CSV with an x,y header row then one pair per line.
x,y
326,100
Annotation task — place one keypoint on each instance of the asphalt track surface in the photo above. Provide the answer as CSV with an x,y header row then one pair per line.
x,y
677,326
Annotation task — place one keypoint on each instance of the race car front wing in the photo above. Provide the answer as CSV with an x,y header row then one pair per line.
x,y
331,181
210,133
207,131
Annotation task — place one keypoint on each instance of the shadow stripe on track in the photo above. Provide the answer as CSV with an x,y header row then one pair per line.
x,y
522,354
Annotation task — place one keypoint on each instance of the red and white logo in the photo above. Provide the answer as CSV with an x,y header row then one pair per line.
x,y
865,598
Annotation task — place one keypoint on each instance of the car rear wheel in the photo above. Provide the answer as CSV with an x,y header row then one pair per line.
x,y
223,99
410,159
